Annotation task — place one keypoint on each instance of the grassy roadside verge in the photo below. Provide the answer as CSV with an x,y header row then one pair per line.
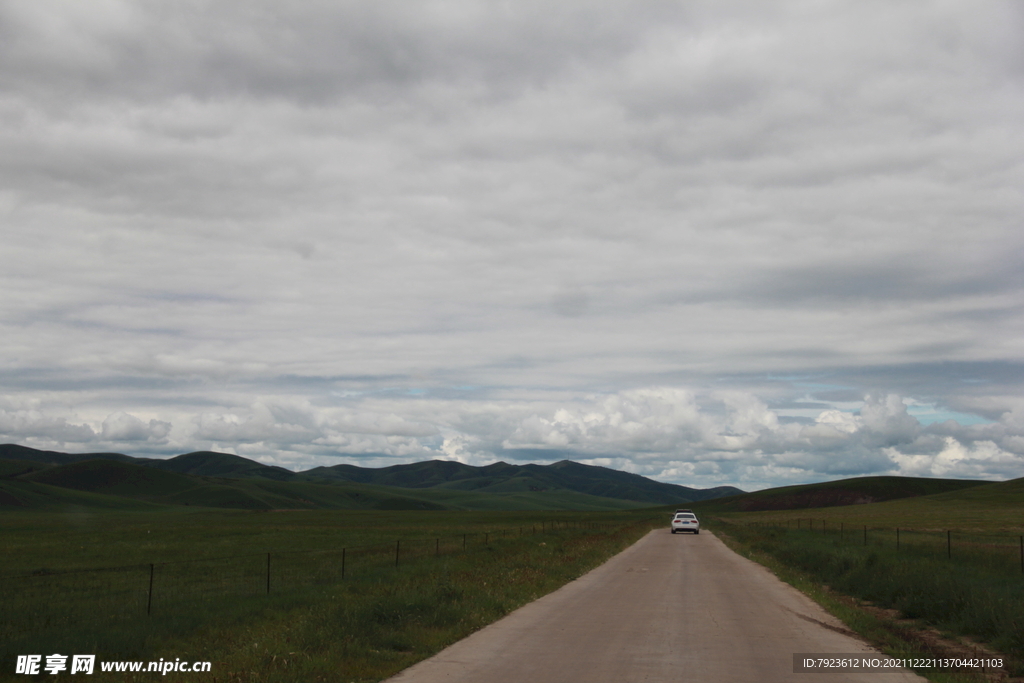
x,y
898,602
364,628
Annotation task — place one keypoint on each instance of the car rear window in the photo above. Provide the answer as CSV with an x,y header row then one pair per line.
x,y
686,517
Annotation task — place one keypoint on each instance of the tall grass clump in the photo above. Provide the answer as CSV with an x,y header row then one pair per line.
x,y
977,592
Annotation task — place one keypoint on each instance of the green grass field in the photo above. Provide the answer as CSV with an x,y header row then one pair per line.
x,y
956,562
456,571
338,607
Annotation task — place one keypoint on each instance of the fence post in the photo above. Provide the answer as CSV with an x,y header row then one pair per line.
x,y
398,544
822,526
463,541
343,562
1022,554
949,544
865,534
841,530
487,536
149,600
268,573
897,538
437,547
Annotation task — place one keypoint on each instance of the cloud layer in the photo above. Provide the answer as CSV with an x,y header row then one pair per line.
x,y
713,244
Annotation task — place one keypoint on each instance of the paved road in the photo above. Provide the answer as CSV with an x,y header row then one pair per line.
x,y
671,608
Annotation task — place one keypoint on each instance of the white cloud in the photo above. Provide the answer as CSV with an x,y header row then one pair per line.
x,y
673,434
126,428
980,460
33,424
227,217
887,421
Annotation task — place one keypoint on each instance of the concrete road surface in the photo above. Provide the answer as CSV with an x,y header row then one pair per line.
x,y
671,608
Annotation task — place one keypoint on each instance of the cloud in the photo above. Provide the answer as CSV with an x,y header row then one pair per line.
x,y
887,421
980,460
23,425
674,434
122,427
301,230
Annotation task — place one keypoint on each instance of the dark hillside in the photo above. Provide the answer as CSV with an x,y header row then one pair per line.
x,y
1003,493
16,468
211,464
16,495
602,481
216,479
415,475
855,491
10,451
502,477
113,478
142,483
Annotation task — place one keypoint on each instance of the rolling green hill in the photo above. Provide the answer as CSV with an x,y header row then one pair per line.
x,y
211,464
29,495
856,491
502,477
10,451
224,480
14,468
1009,493
112,478
110,484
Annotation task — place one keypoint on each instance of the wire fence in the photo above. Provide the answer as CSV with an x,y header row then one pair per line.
x,y
46,600
953,543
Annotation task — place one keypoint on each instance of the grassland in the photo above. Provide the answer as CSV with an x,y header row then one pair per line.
x,y
986,507
956,563
457,572
339,608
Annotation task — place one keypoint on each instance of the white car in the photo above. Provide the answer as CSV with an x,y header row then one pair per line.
x,y
685,521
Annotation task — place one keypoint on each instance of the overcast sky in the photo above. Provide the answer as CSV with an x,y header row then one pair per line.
x,y
711,243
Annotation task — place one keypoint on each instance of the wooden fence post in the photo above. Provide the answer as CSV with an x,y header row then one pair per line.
x,y
149,600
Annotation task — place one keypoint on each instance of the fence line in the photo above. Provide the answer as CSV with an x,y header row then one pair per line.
x,y
43,599
968,539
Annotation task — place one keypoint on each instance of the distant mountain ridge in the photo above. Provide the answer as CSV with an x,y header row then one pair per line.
x,y
855,491
501,477
193,478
